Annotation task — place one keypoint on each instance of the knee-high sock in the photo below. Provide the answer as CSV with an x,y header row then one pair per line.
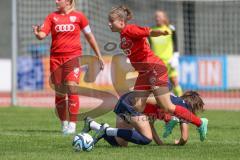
x,y
129,135
111,140
73,107
60,103
185,114
157,113
95,126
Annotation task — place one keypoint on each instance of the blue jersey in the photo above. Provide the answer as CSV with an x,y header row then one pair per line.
x,y
123,107
180,102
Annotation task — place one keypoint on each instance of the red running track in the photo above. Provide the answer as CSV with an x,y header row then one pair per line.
x,y
213,100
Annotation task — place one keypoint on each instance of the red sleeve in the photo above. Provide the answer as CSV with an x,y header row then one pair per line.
x,y
46,26
83,21
135,31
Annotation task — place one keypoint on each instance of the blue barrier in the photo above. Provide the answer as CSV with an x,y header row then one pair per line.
x,y
203,72
30,73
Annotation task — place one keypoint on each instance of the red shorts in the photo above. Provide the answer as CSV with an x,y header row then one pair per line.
x,y
154,76
64,69
156,113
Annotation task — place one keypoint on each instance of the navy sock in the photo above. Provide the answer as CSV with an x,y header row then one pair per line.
x,y
111,140
133,136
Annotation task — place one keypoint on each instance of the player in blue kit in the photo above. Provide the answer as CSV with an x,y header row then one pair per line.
x,y
191,100
127,129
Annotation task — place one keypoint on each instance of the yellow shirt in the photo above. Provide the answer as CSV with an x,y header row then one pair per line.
x,y
162,46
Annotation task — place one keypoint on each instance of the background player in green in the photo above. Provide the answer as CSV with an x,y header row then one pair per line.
x,y
166,48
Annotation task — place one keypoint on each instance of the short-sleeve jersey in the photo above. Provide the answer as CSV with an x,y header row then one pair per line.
x,y
65,31
135,45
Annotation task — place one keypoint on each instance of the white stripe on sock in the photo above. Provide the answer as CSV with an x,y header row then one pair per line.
x,y
112,131
95,126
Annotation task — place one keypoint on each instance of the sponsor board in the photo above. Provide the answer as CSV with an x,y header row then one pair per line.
x,y
203,72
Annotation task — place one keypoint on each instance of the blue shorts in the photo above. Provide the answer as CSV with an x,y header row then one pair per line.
x,y
123,108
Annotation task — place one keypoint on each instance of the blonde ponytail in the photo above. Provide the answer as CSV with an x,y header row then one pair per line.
x,y
121,12
72,4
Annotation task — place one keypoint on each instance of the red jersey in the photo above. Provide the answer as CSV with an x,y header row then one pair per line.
x,y
134,44
65,30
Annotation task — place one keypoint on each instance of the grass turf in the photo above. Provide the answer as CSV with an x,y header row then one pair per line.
x,y
29,133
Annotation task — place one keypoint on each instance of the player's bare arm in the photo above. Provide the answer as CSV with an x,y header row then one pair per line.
x,y
156,138
184,134
93,43
38,33
156,33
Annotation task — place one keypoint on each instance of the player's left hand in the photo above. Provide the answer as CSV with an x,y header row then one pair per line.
x,y
180,142
160,142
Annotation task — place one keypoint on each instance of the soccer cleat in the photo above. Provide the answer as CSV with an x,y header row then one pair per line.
x,y
71,129
169,127
64,126
87,122
203,129
99,134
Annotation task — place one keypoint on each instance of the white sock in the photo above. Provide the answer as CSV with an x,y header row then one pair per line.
x,y
112,131
64,126
72,125
95,126
64,123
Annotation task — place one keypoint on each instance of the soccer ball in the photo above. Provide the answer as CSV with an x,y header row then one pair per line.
x,y
83,142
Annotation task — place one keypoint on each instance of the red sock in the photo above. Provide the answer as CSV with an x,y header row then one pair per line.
x,y
157,113
60,103
185,114
73,104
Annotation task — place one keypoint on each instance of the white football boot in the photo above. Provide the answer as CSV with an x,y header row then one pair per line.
x,y
99,134
64,126
71,128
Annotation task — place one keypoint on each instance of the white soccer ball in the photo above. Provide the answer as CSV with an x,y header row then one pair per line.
x,y
83,142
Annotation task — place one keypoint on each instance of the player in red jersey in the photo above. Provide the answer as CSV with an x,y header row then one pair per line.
x,y
65,26
132,125
152,78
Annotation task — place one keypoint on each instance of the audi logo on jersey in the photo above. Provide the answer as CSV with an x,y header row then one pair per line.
x,y
64,28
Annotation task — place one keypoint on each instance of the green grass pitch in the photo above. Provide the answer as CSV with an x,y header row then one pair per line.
x,y
28,133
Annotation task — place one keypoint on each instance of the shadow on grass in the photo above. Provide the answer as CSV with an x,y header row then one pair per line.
x,y
106,146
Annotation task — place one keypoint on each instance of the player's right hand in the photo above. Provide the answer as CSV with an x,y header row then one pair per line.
x,y
101,62
165,33
36,29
